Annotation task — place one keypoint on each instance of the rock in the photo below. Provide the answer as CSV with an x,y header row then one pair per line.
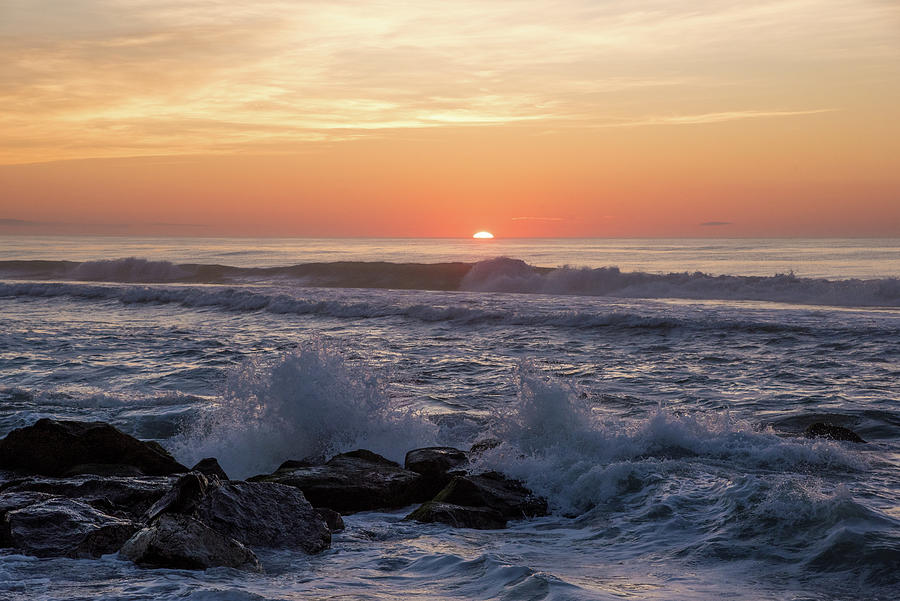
x,y
59,527
831,432
181,542
480,518
355,481
332,518
210,467
264,514
182,497
435,463
484,445
116,495
53,448
494,491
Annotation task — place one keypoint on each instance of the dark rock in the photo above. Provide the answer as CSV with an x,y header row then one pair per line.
x,y
53,448
356,481
293,463
264,514
495,491
484,445
181,542
480,518
182,497
210,467
435,463
58,527
129,496
104,469
831,432
332,518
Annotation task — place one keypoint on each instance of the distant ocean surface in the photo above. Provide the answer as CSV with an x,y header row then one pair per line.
x,y
655,391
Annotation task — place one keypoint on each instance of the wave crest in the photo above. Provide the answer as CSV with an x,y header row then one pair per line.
x,y
308,403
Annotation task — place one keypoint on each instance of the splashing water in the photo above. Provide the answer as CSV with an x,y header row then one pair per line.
x,y
309,403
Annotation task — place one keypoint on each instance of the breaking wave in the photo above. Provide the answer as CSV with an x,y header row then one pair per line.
x,y
310,403
493,275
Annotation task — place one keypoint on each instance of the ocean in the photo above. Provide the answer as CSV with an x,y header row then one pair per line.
x,y
654,391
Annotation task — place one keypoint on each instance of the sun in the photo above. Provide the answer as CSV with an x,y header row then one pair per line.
x,y
483,235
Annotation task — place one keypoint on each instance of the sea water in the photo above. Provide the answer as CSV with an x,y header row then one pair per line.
x,y
654,391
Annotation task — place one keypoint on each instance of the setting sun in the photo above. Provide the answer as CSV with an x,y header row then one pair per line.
x,y
483,235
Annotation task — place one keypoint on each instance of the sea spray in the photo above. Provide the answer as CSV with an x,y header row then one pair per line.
x,y
308,403
577,456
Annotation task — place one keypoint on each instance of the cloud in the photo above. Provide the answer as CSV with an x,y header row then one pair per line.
x,y
19,223
112,78
715,223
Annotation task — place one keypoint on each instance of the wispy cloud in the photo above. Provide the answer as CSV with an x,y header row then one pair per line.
x,y
715,223
720,117
177,77
537,219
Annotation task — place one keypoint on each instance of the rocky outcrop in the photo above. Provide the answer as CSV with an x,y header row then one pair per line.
x,y
831,432
496,491
59,527
183,497
480,518
181,542
484,501
435,464
356,481
264,514
332,518
210,467
63,448
115,495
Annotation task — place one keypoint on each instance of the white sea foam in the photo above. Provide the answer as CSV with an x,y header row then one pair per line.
x,y
512,275
556,443
308,403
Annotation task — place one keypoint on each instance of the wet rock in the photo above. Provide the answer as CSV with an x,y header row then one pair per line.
x,y
355,481
494,491
831,432
264,514
54,448
181,542
183,496
59,527
210,467
332,518
435,464
480,518
115,495
484,445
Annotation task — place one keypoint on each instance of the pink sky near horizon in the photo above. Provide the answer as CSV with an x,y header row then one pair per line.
x,y
525,118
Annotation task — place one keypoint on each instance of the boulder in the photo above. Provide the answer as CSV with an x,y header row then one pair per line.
x,y
129,497
480,518
58,448
264,514
495,491
831,432
182,497
355,481
332,518
435,464
181,542
59,527
481,446
210,467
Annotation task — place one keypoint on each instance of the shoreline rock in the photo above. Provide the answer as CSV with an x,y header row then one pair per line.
x,y
62,448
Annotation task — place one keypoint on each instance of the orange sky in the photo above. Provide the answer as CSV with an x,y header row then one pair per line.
x,y
525,118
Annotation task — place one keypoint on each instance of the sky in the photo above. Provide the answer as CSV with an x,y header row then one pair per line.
x,y
524,118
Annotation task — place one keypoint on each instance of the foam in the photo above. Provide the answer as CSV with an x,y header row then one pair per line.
x,y
494,275
309,403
